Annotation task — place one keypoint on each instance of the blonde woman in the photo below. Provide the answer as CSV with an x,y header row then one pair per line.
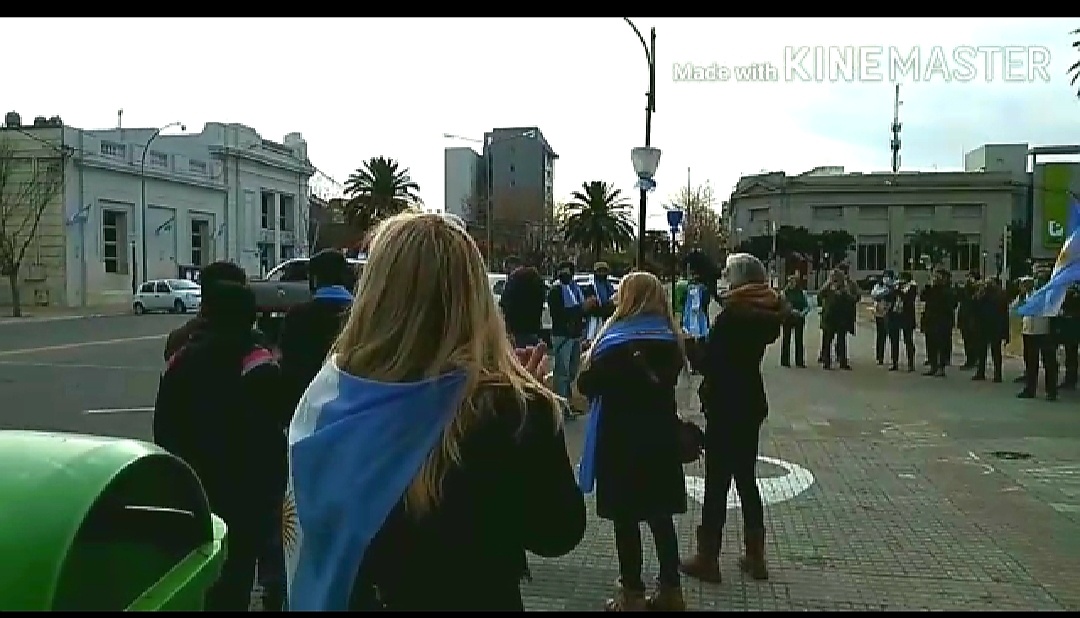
x,y
632,440
425,457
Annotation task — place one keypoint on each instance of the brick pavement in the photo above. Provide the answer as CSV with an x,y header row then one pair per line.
x,y
910,509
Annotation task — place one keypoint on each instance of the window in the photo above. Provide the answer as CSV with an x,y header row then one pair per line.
x,y
967,211
147,288
286,210
871,255
828,213
919,212
873,212
968,255
197,167
157,159
292,271
182,284
114,241
160,287
112,149
267,211
200,233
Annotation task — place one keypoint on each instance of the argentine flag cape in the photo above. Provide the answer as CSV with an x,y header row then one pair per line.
x,y
604,291
1047,300
355,445
694,320
637,328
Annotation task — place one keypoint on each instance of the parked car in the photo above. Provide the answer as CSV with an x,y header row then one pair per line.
x,y
172,295
283,288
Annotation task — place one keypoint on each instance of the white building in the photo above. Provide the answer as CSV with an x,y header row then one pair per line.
x,y
462,176
224,193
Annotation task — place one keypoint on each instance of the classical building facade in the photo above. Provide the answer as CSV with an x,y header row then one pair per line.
x,y
883,212
134,208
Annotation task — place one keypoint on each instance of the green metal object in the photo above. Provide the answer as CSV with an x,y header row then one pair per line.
x,y
104,524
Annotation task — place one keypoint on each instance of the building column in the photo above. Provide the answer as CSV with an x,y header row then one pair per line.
x,y
276,224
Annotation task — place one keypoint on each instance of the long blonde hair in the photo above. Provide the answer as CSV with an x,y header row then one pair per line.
x,y
641,293
423,308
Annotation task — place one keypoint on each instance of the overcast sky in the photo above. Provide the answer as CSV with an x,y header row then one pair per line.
x,y
357,88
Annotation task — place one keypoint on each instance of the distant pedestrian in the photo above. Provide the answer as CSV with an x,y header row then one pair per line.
x,y
1070,335
1039,344
991,327
837,301
632,440
884,295
522,303
938,321
566,305
967,318
795,324
600,302
902,320
695,317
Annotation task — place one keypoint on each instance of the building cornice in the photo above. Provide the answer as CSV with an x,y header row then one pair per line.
x,y
257,157
133,170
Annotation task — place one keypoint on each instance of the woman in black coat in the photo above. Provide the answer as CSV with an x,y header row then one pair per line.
x,y
736,405
629,378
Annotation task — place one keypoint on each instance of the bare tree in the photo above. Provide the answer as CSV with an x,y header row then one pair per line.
x,y
701,222
28,185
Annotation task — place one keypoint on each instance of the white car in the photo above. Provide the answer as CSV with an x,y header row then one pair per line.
x,y
172,295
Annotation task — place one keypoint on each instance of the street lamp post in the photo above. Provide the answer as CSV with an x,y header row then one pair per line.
x,y
142,206
650,107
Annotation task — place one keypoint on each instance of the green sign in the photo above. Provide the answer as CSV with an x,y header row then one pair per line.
x,y
1056,193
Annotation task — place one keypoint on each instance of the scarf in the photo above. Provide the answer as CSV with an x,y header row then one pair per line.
x,y
572,295
694,320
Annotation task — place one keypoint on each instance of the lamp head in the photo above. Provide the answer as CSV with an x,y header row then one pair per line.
x,y
645,159
183,127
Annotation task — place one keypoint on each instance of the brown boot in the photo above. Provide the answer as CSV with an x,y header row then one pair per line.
x,y
666,599
753,563
704,565
626,599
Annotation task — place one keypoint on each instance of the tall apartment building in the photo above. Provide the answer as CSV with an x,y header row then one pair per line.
x,y
518,172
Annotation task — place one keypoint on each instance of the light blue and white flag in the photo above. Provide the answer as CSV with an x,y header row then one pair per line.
x,y
355,445
1047,300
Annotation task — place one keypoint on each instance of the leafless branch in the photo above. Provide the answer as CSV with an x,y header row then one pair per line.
x,y
23,202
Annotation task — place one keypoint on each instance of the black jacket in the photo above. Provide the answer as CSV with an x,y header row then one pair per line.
x,y
733,391
638,472
522,301
183,333
564,322
219,409
307,333
939,310
514,492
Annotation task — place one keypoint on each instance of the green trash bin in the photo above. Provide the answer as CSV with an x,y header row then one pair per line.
x,y
103,524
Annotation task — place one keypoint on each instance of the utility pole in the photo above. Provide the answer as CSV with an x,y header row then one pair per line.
x,y
894,145
650,107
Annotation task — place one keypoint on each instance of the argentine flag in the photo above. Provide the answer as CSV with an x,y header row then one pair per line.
x,y
1046,301
355,445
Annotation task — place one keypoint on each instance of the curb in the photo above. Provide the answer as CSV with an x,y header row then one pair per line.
x,y
41,319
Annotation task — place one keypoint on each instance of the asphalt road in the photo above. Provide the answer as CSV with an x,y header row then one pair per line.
x,y
91,375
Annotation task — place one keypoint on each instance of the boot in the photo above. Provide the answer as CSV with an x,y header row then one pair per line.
x,y
666,599
753,563
704,565
626,599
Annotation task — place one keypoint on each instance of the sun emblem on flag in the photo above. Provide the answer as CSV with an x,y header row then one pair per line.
x,y
290,523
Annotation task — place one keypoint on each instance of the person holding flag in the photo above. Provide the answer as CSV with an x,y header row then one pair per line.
x,y
1039,306
631,452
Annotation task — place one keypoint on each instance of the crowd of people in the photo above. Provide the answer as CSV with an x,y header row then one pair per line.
x,y
979,308
406,451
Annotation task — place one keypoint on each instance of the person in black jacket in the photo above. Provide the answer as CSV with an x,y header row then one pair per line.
x,y
991,327
938,321
522,303
1069,329
967,318
735,407
901,321
639,475
218,409
836,299
214,273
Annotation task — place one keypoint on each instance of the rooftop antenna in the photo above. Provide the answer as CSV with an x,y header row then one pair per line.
x,y
894,145
120,118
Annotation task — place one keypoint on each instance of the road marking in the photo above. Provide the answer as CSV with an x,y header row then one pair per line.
x,y
79,366
84,344
774,489
119,411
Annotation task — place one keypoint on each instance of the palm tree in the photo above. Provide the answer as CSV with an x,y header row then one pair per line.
x,y
378,189
1074,69
598,219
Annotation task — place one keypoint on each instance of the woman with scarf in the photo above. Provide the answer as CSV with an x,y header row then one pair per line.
x,y
736,405
631,442
426,457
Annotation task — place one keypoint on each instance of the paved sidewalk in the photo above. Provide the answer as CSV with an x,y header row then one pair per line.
x,y
51,314
927,493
